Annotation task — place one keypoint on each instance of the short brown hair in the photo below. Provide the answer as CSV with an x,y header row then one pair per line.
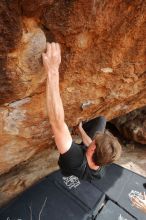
x,y
108,149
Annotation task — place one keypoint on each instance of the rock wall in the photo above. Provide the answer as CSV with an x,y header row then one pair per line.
x,y
103,72
133,125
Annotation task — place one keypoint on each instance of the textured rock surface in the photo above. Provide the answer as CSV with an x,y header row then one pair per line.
x,y
13,183
103,69
133,125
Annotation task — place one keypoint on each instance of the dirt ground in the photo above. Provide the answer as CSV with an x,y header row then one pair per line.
x,y
134,158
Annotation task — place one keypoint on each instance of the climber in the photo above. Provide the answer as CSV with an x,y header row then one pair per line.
x,y
99,147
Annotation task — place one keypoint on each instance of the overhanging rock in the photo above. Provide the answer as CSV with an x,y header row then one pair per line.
x,y
103,68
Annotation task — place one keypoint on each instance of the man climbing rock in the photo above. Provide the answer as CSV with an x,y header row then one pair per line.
x,y
99,147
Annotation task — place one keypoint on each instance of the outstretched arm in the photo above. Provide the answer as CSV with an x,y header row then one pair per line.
x,y
51,62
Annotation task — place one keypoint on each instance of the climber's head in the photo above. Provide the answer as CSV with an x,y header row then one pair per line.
x,y
104,149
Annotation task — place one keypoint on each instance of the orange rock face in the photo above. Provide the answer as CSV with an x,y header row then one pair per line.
x,y
102,71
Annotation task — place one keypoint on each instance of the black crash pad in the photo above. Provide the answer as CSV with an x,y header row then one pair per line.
x,y
117,185
45,200
16,210
56,198
113,212
134,185
81,191
114,181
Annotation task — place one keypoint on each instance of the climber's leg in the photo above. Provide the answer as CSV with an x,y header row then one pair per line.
x,y
94,126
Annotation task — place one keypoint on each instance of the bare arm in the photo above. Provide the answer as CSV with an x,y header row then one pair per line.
x,y
51,61
86,139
